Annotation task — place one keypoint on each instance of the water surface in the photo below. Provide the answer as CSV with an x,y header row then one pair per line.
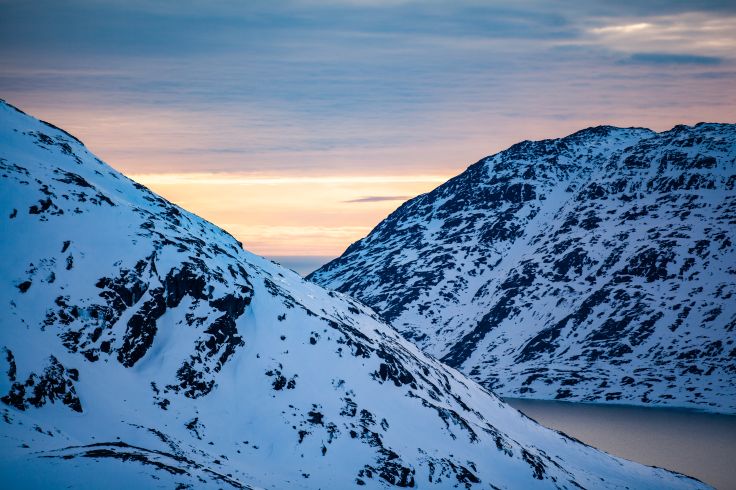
x,y
301,264
702,445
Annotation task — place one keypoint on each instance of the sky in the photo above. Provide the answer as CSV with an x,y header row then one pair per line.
x,y
299,125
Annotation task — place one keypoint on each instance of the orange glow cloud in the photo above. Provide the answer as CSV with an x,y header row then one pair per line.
x,y
291,215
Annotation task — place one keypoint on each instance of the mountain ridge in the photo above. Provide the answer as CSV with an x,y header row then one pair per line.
x,y
477,256
141,345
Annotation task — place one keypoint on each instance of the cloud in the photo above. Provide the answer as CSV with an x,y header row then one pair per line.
x,y
628,8
289,214
379,199
692,37
214,96
230,179
673,59
621,29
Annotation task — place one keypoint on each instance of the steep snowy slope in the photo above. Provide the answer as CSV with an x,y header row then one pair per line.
x,y
143,346
596,267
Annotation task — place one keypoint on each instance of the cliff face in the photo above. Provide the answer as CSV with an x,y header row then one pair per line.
x,y
597,267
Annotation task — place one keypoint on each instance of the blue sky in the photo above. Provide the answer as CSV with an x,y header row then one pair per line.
x,y
335,88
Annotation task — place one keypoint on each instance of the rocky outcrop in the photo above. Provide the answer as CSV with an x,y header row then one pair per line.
x,y
596,267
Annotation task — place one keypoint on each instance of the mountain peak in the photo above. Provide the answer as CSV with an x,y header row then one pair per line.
x,y
601,260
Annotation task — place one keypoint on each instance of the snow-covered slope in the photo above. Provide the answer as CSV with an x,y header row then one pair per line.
x,y
596,267
142,345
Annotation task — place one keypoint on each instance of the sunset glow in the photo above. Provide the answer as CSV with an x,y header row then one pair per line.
x,y
262,116
278,216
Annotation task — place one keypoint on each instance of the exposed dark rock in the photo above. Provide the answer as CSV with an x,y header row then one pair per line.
x,y
56,383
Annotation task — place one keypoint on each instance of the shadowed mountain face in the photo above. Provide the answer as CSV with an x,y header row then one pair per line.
x,y
596,267
143,346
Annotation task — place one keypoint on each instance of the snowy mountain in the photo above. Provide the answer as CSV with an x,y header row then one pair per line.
x,y
597,267
141,345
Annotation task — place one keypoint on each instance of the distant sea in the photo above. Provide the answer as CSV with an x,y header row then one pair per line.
x,y
301,264
698,444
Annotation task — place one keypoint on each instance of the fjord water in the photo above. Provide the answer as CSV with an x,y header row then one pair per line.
x,y
301,264
698,444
